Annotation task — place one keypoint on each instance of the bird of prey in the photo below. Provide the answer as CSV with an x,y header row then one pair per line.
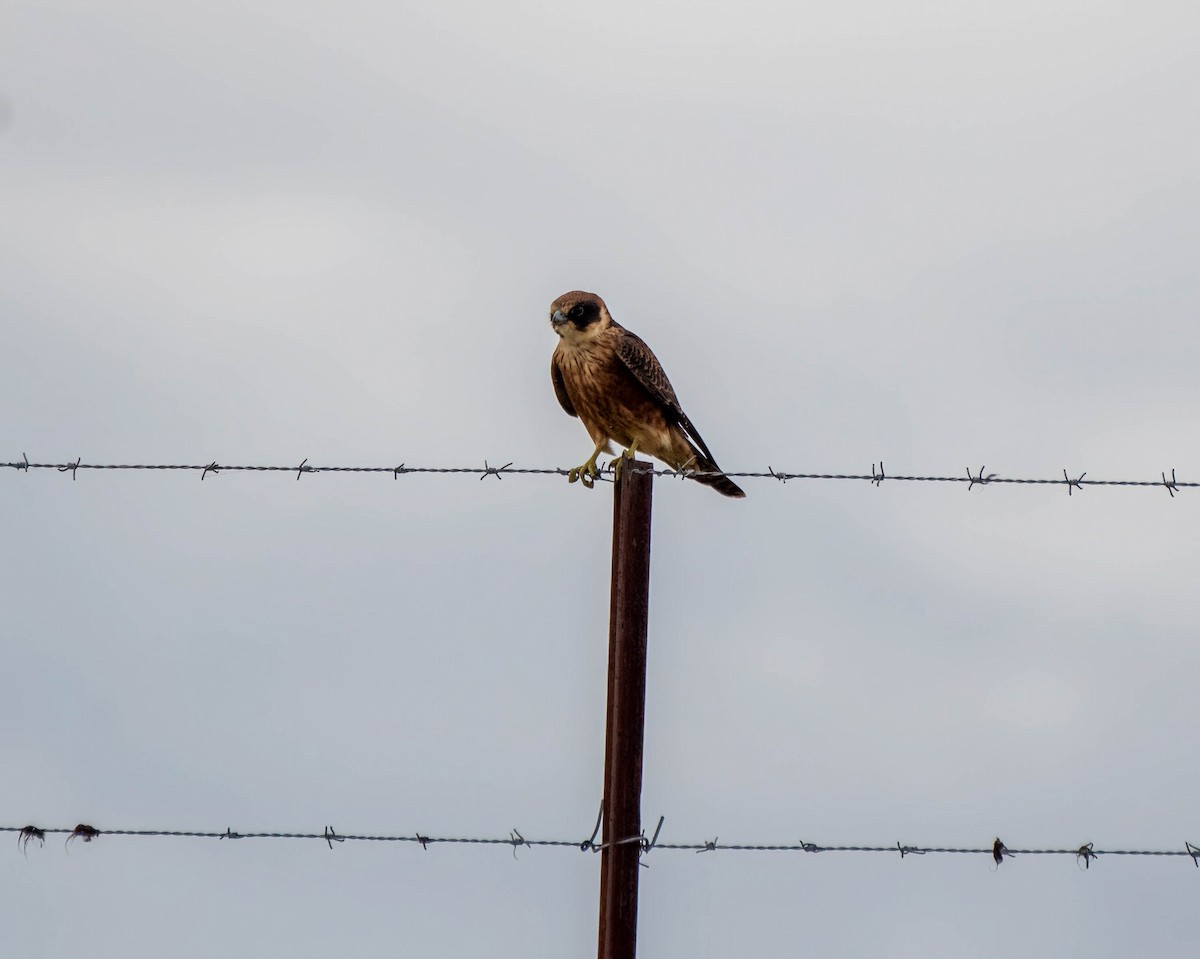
x,y
608,377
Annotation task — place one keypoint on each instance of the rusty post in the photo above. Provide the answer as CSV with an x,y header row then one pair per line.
x,y
627,630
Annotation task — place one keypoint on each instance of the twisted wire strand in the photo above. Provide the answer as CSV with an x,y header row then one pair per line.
x,y
516,840
876,477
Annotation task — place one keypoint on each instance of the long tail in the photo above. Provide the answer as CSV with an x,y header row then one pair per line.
x,y
709,474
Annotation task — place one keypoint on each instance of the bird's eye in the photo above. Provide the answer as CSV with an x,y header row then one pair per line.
x,y
576,311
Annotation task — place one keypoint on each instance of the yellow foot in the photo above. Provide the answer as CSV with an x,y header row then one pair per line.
x,y
619,461
587,472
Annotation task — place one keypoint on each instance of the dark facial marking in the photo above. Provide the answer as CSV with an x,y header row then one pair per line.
x,y
583,314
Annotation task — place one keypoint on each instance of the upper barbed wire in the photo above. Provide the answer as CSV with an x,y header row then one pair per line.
x,y
877,476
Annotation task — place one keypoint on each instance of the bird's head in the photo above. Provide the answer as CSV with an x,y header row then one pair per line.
x,y
578,316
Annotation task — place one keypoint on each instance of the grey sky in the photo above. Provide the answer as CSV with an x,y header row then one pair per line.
x,y
937,235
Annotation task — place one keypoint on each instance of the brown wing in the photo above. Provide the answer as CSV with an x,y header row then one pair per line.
x,y
560,388
643,364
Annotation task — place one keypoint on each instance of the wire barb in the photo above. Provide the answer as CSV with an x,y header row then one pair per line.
x,y
1172,486
782,477
710,845
999,851
688,469
1194,852
424,841
72,467
493,470
230,834
877,478
304,468
398,470
331,836
1085,854
980,479
812,846
517,839
909,850
1076,484
210,468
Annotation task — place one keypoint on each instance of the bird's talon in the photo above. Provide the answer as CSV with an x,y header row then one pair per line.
x,y
618,462
585,472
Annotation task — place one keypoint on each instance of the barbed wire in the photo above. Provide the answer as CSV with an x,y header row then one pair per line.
x,y
876,477
1085,854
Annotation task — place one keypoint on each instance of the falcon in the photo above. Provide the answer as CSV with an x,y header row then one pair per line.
x,y
609,378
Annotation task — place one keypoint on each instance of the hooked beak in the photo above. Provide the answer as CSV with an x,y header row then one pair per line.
x,y
557,319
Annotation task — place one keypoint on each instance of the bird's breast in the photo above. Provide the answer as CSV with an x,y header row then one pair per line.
x,y
608,398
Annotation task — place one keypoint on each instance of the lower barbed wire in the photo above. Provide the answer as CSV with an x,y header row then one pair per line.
x,y
515,839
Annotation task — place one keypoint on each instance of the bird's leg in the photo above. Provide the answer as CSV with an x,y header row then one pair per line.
x,y
617,463
586,471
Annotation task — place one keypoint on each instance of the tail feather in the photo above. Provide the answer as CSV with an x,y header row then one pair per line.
x,y
708,473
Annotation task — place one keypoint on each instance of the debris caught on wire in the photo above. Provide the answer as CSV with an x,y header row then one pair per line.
x,y
82,831
28,834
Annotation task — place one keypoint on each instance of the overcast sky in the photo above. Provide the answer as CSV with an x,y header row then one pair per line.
x,y
937,235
